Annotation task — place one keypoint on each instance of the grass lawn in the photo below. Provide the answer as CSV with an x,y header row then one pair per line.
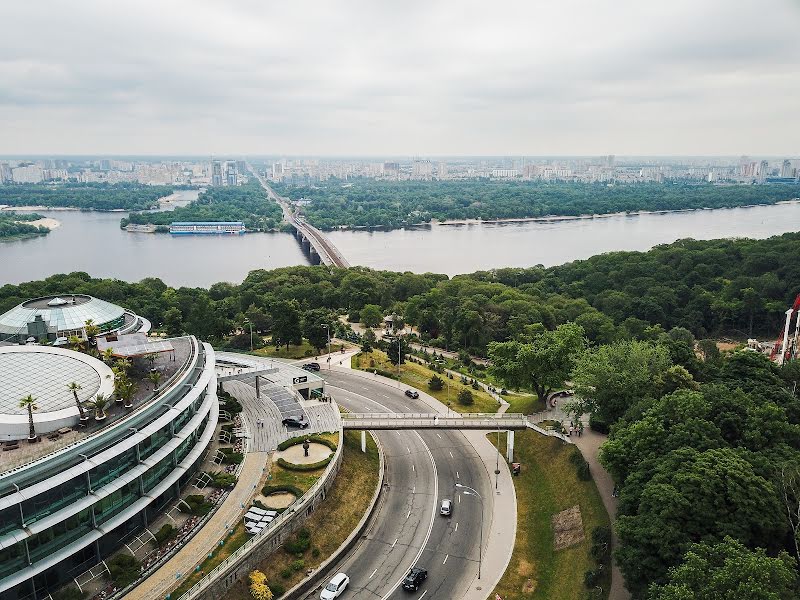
x,y
524,403
330,524
304,350
418,376
547,485
299,479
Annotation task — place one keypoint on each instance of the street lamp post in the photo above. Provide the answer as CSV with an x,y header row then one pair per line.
x,y
497,464
249,322
472,492
328,331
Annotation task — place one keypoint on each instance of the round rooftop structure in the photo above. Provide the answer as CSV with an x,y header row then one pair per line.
x,y
61,316
44,373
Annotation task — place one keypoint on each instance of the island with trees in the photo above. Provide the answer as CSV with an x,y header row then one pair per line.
x,y
703,444
85,196
394,204
16,226
247,203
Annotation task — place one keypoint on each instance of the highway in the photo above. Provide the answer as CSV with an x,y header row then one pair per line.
x,y
422,468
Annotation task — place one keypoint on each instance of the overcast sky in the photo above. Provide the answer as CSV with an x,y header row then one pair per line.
x,y
401,78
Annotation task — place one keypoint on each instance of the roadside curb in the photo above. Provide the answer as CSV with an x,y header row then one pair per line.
x,y
313,580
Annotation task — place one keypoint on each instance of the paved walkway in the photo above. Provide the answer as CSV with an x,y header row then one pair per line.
x,y
205,540
589,444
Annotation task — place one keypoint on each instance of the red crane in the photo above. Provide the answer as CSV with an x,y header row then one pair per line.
x,y
788,350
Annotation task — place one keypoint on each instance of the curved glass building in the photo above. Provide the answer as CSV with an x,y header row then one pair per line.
x,y
54,317
63,512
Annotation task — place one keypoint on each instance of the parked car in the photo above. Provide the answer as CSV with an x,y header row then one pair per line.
x,y
300,422
446,508
414,579
412,393
311,366
335,588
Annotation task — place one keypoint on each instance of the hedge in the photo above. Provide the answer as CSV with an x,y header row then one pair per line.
x,y
272,489
311,438
298,467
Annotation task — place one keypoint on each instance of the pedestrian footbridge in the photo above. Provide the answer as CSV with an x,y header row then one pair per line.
x,y
484,421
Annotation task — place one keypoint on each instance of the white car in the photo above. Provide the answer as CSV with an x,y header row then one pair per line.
x,y
335,588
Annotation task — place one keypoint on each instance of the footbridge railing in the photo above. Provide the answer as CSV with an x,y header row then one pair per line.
x,y
484,421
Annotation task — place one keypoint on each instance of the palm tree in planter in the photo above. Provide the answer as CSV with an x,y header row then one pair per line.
x,y
29,402
74,387
92,330
108,356
125,392
155,376
99,405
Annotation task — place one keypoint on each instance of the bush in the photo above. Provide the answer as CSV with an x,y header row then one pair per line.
x,y
435,383
601,544
300,467
222,480
298,565
124,570
383,373
272,489
232,458
197,505
315,552
298,543
277,589
165,534
475,385
581,466
286,573
591,578
311,438
597,424
465,397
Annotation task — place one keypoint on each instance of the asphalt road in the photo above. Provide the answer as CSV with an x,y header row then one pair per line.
x,y
422,469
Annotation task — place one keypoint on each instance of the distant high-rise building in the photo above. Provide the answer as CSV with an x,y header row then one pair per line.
x,y
786,169
609,160
277,171
441,170
216,172
422,169
241,167
5,173
505,173
230,173
391,169
30,174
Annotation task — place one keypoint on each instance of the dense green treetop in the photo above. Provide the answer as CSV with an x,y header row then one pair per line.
x,y
369,203
86,196
729,570
247,203
12,225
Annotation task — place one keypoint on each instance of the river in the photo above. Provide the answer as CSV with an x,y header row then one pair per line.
x,y
93,242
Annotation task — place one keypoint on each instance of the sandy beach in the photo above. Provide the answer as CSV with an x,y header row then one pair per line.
x,y
45,222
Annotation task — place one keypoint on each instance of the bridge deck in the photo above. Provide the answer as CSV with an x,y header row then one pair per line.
x,y
487,422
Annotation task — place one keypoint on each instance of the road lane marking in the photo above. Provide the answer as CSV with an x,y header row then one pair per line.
x,y
459,498
439,436
408,515
423,594
409,450
373,573
450,453
456,529
414,490
457,475
446,556
394,543
413,468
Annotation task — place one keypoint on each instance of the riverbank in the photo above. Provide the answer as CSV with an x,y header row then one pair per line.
x,y
48,222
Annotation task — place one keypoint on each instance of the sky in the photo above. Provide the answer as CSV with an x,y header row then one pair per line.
x,y
415,78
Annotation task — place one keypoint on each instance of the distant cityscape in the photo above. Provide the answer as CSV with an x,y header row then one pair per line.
x,y
229,172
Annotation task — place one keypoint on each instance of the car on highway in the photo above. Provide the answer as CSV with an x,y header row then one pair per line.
x,y
300,422
311,366
414,579
335,588
447,508
412,394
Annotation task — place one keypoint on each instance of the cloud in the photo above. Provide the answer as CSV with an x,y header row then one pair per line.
x,y
357,77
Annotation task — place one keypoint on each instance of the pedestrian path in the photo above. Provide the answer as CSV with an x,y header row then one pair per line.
x,y
159,584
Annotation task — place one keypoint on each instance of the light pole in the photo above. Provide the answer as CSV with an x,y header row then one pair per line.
x,y
497,465
328,331
249,322
472,492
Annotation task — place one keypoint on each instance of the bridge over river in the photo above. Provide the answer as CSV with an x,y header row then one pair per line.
x,y
314,242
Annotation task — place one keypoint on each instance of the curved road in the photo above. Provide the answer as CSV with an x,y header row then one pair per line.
x,y
422,468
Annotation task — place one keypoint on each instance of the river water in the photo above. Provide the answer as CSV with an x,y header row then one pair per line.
x,y
93,242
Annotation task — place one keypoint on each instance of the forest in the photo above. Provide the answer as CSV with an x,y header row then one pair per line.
x,y
248,203
86,196
388,204
11,226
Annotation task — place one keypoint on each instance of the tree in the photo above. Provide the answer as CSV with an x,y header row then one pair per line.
x,y
173,321
258,586
155,377
286,323
371,315
674,378
74,387
29,404
465,397
544,363
396,349
314,329
610,379
92,330
692,496
728,569
368,341
99,404
435,383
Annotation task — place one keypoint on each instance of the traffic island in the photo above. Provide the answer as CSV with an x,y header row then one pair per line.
x,y
560,517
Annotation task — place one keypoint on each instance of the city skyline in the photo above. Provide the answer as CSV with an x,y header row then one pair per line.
x,y
453,79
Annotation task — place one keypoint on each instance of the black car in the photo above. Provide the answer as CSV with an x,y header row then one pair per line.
x,y
300,422
412,393
414,579
311,366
